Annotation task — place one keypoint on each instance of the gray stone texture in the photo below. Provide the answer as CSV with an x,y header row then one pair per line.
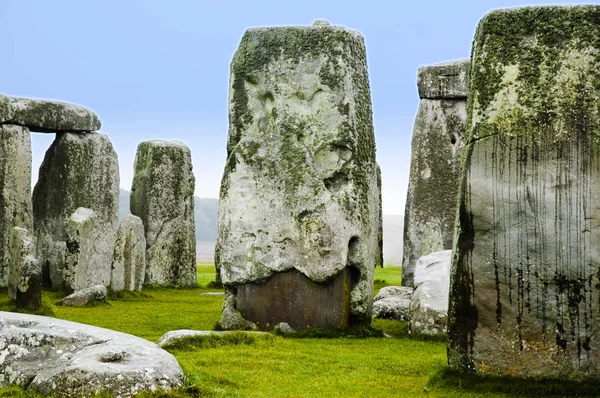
x,y
162,195
46,115
524,293
448,80
83,297
15,188
21,250
129,258
60,358
300,187
79,170
85,265
393,302
437,145
429,303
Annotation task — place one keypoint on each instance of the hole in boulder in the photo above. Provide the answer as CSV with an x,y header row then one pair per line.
x,y
109,357
337,182
452,139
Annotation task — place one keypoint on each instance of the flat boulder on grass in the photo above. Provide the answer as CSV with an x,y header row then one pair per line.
x,y
47,115
524,293
83,297
393,302
162,196
176,335
429,303
129,258
60,358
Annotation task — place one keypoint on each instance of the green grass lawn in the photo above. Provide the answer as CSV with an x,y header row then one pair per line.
x,y
402,366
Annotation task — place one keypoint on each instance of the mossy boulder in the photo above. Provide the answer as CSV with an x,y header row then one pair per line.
x,y
162,196
129,258
437,144
15,189
79,170
300,187
524,293
46,115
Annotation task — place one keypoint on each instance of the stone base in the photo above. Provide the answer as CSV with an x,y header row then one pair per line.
x,y
293,298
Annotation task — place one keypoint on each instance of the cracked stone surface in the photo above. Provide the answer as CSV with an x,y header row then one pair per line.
x,y
300,188
55,357
162,196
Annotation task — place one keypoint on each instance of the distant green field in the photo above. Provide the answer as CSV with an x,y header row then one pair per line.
x,y
346,366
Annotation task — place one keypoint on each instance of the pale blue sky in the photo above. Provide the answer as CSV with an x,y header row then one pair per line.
x,y
160,69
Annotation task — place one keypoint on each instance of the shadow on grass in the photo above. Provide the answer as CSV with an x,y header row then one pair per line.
x,y
449,380
128,295
352,332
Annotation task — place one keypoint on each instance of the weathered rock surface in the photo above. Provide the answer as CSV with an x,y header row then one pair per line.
x,y
162,195
62,358
284,328
15,188
174,335
448,80
393,302
437,145
300,187
79,170
25,275
47,115
89,295
84,266
524,294
429,303
129,258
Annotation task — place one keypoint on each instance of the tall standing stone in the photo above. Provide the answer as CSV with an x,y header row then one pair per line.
x,y
437,145
15,188
299,215
79,170
129,258
162,195
524,293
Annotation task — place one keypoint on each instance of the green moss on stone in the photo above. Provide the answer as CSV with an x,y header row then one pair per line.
x,y
545,45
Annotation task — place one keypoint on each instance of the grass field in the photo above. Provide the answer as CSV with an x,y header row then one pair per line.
x,y
344,366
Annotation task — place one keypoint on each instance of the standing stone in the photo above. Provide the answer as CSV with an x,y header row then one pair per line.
x,y
299,209
437,145
84,263
15,188
25,277
524,293
162,195
79,170
429,302
129,258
